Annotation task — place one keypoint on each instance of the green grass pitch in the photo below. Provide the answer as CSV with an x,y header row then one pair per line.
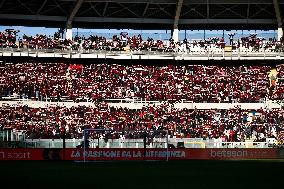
x,y
147,175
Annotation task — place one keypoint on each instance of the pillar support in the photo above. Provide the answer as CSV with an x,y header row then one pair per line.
x,y
279,19
175,35
279,33
70,18
177,15
69,33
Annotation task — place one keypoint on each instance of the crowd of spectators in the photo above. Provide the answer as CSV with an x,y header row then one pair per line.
x,y
124,42
257,43
278,87
172,83
43,42
8,38
231,125
33,81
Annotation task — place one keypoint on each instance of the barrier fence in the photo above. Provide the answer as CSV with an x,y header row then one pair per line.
x,y
5,141
208,54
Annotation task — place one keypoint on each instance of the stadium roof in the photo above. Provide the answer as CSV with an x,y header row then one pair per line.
x,y
143,14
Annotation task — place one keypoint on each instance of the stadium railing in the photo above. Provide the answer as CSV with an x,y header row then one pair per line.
x,y
138,143
133,104
214,53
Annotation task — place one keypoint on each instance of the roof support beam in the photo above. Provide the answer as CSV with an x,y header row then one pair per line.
x,y
145,10
2,3
41,7
71,18
137,20
178,10
248,8
278,12
187,2
105,9
176,21
208,10
73,13
279,18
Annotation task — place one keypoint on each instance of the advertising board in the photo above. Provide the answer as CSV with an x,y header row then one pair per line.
x,y
105,154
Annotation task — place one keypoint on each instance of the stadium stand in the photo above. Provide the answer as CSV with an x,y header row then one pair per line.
x,y
90,89
137,43
174,83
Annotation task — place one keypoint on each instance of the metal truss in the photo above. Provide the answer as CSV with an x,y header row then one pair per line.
x,y
195,9
185,2
226,9
152,13
141,20
263,9
41,7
